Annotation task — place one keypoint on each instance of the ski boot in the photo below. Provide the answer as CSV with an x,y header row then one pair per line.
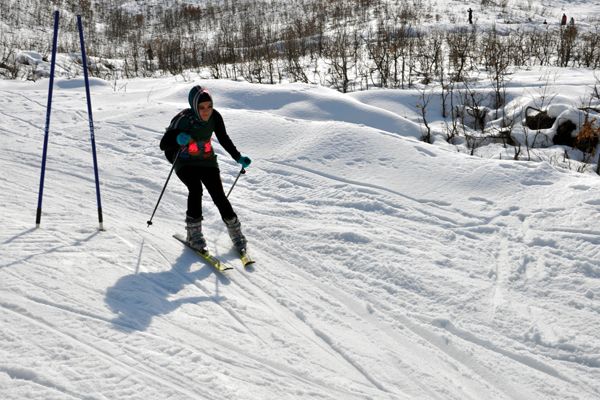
x,y
234,227
195,238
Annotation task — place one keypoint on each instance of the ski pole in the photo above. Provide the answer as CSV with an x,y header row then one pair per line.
x,y
90,118
149,222
38,215
242,171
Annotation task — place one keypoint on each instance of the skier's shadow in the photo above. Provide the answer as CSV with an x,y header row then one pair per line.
x,y
139,297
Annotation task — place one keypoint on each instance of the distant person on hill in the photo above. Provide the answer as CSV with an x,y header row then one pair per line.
x,y
572,21
563,21
187,143
470,15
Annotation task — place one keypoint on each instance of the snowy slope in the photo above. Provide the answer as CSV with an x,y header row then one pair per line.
x,y
387,268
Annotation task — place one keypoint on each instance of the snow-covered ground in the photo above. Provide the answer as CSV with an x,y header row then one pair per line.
x,y
387,268
564,93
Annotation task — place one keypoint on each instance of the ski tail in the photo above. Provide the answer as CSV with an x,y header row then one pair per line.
x,y
247,260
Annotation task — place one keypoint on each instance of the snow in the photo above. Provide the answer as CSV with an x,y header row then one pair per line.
x,y
29,57
387,268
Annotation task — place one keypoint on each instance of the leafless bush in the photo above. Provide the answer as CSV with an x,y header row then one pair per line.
x,y
292,39
589,49
566,45
425,98
495,54
539,44
460,47
339,53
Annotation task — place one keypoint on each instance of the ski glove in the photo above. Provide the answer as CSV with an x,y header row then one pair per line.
x,y
183,139
244,161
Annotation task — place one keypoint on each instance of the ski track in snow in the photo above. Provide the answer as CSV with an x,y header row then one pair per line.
x,y
430,275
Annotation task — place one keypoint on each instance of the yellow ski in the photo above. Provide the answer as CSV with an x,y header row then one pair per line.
x,y
206,256
246,259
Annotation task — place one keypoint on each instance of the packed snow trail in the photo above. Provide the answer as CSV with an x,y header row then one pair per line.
x,y
387,268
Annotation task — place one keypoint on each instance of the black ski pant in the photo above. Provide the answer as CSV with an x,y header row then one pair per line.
x,y
194,177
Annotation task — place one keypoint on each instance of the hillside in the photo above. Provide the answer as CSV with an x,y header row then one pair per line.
x,y
387,268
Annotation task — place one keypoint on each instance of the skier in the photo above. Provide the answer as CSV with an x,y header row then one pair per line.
x,y
190,134
563,20
470,15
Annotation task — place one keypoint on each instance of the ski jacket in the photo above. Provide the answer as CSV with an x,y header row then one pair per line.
x,y
199,152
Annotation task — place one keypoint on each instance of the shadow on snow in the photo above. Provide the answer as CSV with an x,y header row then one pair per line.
x,y
139,297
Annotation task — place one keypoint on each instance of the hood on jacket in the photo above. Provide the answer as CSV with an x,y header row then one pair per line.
x,y
197,95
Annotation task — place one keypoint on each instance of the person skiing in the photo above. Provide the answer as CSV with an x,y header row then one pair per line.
x,y
563,20
187,143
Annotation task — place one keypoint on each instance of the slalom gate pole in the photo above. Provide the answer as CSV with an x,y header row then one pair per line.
x,y
242,171
38,216
149,222
91,119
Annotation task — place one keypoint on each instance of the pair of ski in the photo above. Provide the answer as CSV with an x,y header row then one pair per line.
x,y
214,261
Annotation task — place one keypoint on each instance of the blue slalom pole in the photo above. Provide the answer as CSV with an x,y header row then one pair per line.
x,y
91,120
38,216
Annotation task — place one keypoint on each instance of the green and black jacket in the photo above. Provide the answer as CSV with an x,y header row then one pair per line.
x,y
200,151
